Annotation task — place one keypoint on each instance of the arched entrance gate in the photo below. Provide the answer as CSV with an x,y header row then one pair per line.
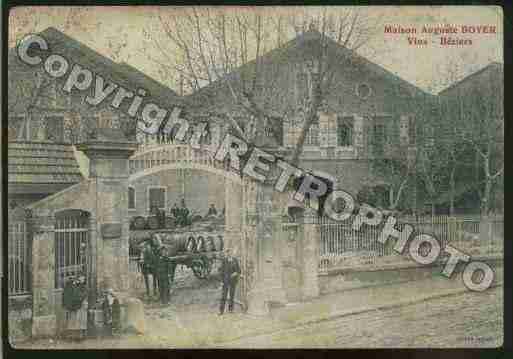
x,y
253,219
183,157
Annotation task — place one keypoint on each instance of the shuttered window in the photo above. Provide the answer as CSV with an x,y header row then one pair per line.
x,y
312,136
54,126
157,197
412,138
345,131
131,198
17,129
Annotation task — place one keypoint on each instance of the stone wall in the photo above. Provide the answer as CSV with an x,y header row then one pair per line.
x,y
20,318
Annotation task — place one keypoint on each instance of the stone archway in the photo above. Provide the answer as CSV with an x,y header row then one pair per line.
x,y
183,157
253,228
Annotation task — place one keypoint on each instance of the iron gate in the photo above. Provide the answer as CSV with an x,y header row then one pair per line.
x,y
19,250
71,242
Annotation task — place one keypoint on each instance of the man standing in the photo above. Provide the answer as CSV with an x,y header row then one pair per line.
x,y
175,211
148,267
165,267
184,214
230,272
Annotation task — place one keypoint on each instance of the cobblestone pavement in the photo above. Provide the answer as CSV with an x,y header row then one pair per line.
x,y
462,320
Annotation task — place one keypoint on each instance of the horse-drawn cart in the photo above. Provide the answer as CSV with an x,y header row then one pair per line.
x,y
196,247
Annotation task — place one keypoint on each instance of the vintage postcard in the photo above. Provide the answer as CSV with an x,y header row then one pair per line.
x,y
255,177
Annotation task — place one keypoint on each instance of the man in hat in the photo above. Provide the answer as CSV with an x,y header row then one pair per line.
x,y
230,272
149,267
184,214
107,311
165,267
175,211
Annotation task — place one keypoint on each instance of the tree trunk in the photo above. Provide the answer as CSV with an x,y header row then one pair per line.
x,y
452,185
391,198
312,113
485,201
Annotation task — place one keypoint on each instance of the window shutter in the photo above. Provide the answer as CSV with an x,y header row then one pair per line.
x,y
404,123
324,128
131,198
157,197
54,128
358,131
412,138
332,130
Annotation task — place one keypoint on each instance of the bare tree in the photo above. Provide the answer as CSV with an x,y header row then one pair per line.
x,y
225,48
476,112
31,91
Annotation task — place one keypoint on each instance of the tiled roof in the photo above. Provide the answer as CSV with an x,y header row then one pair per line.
x,y
42,163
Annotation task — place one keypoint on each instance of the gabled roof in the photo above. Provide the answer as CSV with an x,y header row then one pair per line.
x,y
149,83
295,44
121,73
39,163
492,66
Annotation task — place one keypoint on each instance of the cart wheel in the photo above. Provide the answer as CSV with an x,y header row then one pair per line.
x,y
201,268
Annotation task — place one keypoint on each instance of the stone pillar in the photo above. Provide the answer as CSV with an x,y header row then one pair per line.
x,y
265,206
233,215
44,320
108,160
310,254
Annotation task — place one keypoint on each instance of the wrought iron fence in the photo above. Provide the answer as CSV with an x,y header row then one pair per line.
x,y
341,245
19,253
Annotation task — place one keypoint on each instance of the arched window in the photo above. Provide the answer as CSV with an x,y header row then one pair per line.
x,y
131,198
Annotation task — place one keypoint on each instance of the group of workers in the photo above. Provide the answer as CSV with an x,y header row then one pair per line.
x,y
182,213
156,262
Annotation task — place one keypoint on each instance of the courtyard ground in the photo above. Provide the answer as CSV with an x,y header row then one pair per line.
x,y
435,312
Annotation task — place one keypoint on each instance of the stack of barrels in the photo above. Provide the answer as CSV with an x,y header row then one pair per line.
x,y
189,243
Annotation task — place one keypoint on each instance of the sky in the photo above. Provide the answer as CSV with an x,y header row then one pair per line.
x,y
118,33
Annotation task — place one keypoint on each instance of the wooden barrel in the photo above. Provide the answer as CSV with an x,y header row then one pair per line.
x,y
201,244
170,222
211,246
139,222
191,245
219,243
153,222
137,237
173,243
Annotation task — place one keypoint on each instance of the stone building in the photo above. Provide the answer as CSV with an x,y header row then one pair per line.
x,y
74,169
53,218
370,114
